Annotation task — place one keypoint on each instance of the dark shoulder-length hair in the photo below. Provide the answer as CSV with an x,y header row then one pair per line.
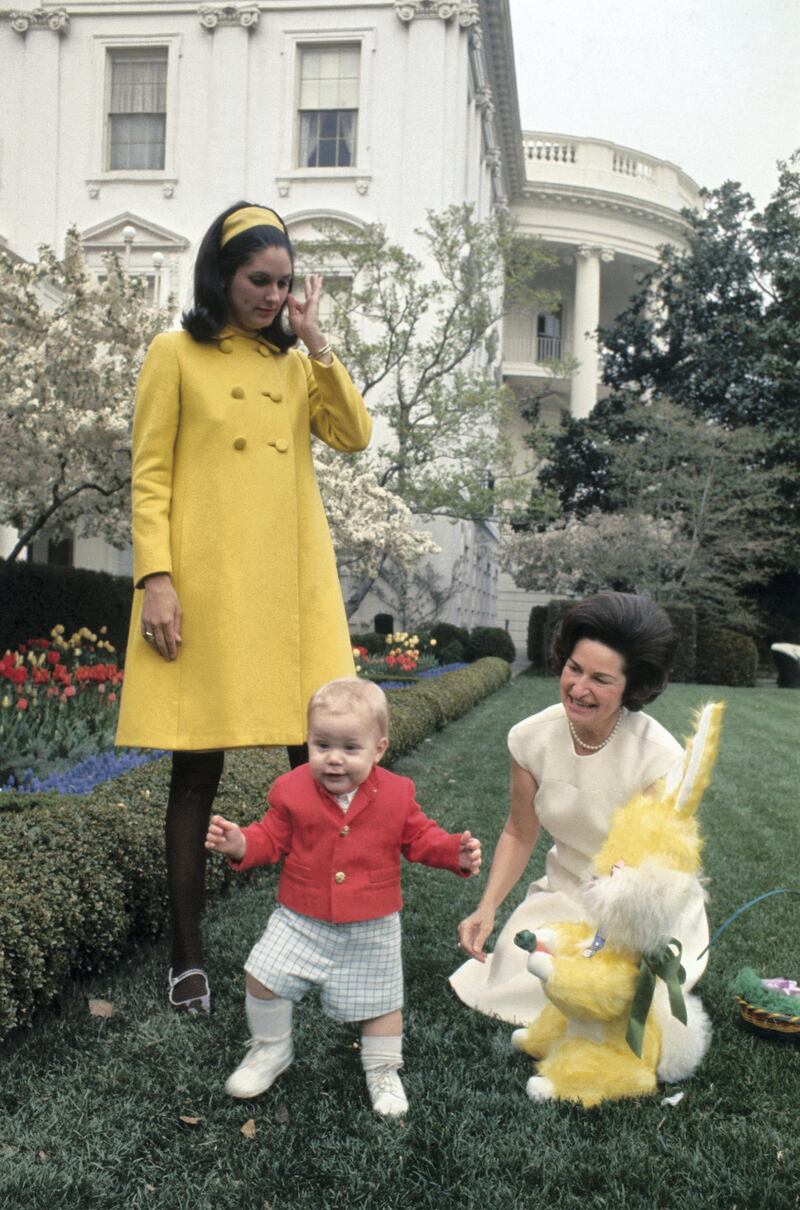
x,y
635,627
213,270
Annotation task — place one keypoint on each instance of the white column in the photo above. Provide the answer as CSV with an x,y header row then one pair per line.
x,y
230,28
38,190
583,388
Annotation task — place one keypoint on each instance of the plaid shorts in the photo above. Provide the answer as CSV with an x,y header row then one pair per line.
x,y
357,966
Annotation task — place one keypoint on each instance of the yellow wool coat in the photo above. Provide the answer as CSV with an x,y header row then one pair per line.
x,y
225,499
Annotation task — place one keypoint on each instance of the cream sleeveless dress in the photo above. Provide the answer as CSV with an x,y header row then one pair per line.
x,y
576,798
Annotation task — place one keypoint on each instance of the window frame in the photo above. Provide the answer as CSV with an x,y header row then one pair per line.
x,y
303,49
294,41
104,46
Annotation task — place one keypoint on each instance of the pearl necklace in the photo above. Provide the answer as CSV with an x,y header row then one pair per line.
x,y
594,747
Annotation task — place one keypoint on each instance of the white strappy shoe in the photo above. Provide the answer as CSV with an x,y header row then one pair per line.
x,y
195,1004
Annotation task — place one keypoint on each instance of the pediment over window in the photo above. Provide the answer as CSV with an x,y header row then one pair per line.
x,y
110,236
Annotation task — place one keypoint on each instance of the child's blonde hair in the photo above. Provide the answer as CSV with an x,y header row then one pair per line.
x,y
351,693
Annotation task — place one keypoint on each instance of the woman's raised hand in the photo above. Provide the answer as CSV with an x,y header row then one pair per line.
x,y
304,316
161,616
473,931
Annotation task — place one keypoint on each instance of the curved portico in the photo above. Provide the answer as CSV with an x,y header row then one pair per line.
x,y
604,211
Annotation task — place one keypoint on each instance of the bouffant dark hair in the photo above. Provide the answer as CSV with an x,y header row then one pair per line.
x,y
635,627
213,270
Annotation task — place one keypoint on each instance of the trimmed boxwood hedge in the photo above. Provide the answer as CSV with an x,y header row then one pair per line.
x,y
83,877
725,657
491,640
35,597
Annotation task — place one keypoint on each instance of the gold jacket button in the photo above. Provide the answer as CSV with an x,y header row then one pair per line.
x,y
238,392
340,877
240,443
276,396
226,346
345,830
281,445
263,350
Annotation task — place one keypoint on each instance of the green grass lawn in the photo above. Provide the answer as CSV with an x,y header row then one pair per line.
x,y
90,1109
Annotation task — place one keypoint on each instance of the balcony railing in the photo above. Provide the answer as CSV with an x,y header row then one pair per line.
x,y
548,348
521,344
596,164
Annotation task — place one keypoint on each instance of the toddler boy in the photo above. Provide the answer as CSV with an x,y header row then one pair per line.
x,y
340,823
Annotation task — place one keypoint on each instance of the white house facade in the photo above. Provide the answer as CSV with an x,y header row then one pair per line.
x,y
137,120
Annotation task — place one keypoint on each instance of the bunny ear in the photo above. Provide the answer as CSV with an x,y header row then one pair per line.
x,y
701,752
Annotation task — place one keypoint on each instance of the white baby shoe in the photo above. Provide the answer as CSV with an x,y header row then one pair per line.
x,y
260,1068
386,1092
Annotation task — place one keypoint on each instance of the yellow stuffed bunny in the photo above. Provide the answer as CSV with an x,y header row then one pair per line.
x,y
617,1020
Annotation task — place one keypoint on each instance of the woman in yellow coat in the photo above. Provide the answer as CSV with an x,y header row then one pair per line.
x,y
238,615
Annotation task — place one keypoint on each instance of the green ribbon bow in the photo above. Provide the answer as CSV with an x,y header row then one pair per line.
x,y
662,964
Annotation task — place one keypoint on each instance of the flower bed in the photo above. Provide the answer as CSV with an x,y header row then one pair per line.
x,y
58,703
403,663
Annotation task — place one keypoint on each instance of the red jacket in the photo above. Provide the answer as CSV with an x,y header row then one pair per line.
x,y
342,867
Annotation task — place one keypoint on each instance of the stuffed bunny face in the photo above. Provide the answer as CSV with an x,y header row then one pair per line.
x,y
637,907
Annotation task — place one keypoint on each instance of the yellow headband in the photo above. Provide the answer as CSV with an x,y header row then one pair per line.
x,y
247,217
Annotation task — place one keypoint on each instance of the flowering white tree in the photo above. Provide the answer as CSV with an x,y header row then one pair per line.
x,y
628,551
369,524
67,382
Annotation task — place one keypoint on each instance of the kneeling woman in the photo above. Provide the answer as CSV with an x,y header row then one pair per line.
x,y
572,765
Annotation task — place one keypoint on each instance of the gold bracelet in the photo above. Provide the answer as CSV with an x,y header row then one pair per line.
x,y
320,352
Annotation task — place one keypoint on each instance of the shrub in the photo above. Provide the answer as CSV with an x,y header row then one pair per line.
x,y
491,640
684,623
537,638
80,878
453,653
375,643
725,657
34,597
445,633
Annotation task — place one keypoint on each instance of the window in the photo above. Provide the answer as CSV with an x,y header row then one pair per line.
x,y
328,106
137,108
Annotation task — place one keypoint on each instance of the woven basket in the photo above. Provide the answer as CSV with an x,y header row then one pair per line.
x,y
776,1025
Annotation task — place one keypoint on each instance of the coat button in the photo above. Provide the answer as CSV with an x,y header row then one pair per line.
x,y
281,445
240,443
276,396
238,392
345,830
340,877
263,350
226,346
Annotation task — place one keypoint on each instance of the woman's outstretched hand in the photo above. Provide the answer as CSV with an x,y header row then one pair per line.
x,y
161,616
474,930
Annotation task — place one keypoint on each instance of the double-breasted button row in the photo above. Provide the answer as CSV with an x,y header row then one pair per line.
x,y
340,877
281,445
275,396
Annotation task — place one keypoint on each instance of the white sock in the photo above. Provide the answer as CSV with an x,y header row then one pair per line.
x,y
381,1052
269,1020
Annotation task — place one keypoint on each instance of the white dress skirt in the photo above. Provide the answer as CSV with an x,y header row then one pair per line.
x,y
575,801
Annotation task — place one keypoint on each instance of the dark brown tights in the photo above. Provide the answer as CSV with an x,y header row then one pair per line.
x,y
193,787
